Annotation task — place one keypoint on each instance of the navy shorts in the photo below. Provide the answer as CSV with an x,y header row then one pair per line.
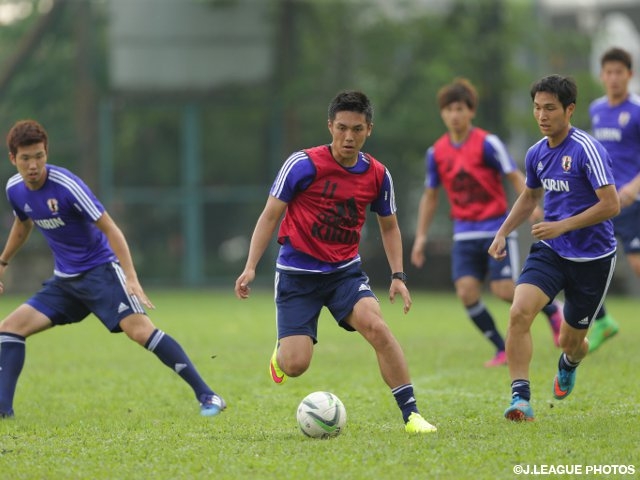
x,y
585,284
627,228
100,291
300,298
471,258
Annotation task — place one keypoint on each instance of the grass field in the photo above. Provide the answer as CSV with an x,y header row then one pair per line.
x,y
91,405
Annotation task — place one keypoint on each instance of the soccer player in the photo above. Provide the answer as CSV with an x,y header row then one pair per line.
x,y
469,163
576,247
323,193
93,268
615,120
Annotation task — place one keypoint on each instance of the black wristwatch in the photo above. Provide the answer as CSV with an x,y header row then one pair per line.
x,y
400,276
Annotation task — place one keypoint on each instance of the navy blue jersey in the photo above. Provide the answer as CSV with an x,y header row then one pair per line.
x,y
65,210
618,129
570,174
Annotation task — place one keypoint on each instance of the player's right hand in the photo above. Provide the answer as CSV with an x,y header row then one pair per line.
x,y
242,288
498,248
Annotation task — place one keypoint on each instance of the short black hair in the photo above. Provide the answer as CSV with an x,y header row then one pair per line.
x,y
351,101
616,54
564,88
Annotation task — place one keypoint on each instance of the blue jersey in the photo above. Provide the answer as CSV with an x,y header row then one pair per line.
x,y
296,174
65,210
618,129
494,155
570,174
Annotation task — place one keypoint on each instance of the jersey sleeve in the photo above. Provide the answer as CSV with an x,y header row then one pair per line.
x,y
432,178
385,204
295,175
83,199
599,169
531,177
497,156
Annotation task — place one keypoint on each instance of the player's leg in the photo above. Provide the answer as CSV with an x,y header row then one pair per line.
x,y
299,300
14,329
139,328
540,281
627,228
103,291
586,289
366,318
292,355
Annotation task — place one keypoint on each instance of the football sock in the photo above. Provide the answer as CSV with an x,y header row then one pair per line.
x,y
549,309
565,364
405,400
484,321
521,388
12,353
173,356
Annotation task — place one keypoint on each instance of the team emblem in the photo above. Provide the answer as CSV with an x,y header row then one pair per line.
x,y
52,203
566,163
623,118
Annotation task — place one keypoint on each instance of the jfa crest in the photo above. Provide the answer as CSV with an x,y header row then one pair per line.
x,y
52,203
566,163
623,118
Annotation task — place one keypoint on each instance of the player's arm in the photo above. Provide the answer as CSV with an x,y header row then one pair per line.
x,y
262,235
521,210
392,243
18,235
426,211
629,192
607,206
516,178
118,244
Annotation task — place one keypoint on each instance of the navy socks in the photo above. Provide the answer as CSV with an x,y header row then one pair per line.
x,y
405,400
12,353
173,356
484,321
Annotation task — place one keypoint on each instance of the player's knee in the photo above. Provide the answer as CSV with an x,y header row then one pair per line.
x,y
294,366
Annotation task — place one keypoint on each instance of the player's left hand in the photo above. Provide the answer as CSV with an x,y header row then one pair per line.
x,y
546,230
398,287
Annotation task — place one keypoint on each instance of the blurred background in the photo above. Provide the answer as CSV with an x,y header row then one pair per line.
x,y
179,113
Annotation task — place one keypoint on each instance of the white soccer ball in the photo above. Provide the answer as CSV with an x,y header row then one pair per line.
x,y
321,415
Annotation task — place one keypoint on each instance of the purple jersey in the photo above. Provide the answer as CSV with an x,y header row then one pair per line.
x,y
570,174
65,210
618,129
295,175
496,156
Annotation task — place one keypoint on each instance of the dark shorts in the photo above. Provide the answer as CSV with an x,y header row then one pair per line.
x,y
627,228
585,284
300,298
471,258
100,291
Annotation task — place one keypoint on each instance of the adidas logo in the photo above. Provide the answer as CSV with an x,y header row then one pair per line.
x,y
411,400
506,271
26,208
122,307
584,321
179,367
364,286
635,243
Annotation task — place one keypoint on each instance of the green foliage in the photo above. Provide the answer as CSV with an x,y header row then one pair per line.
x,y
95,405
246,131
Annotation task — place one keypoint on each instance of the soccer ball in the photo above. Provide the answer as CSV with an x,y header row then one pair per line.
x,y
321,415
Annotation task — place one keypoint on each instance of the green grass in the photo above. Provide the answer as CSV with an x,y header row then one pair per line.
x,y
91,405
